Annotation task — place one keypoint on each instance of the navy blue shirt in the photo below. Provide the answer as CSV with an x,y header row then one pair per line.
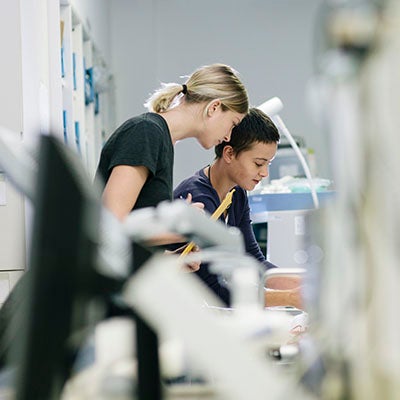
x,y
199,186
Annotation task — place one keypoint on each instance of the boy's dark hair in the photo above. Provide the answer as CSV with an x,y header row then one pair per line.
x,y
255,127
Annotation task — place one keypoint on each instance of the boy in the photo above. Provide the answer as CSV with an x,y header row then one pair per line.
x,y
240,163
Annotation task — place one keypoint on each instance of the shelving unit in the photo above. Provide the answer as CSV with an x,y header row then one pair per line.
x,y
87,87
54,80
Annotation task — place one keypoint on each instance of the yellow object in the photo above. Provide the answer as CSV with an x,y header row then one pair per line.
x,y
216,214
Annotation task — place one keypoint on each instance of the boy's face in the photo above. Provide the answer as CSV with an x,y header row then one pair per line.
x,y
249,167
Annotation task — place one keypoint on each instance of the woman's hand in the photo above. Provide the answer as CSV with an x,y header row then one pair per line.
x,y
197,204
189,267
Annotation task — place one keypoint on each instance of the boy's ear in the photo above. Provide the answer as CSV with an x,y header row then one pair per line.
x,y
228,154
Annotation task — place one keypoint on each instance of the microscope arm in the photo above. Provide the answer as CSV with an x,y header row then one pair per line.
x,y
181,218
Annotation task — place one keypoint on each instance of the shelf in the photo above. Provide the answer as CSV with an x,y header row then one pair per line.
x,y
86,116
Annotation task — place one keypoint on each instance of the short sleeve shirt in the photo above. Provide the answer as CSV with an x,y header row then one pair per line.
x,y
144,140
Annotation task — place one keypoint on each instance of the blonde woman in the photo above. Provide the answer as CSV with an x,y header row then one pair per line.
x,y
136,163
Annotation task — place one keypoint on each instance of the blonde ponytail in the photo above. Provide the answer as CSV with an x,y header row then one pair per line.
x,y
207,83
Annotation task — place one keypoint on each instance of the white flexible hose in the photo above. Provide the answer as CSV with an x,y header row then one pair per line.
x,y
282,127
272,107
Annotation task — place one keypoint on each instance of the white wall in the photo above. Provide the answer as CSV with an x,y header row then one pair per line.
x,y
12,239
94,14
269,42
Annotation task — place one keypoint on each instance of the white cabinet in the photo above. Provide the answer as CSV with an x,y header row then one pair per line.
x,y
53,80
12,213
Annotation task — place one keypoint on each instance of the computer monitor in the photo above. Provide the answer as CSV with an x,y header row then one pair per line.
x,y
63,278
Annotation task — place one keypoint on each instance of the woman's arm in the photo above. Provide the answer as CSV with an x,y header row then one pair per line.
x,y
123,188
121,193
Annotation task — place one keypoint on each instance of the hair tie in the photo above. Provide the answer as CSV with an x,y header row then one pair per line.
x,y
184,89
